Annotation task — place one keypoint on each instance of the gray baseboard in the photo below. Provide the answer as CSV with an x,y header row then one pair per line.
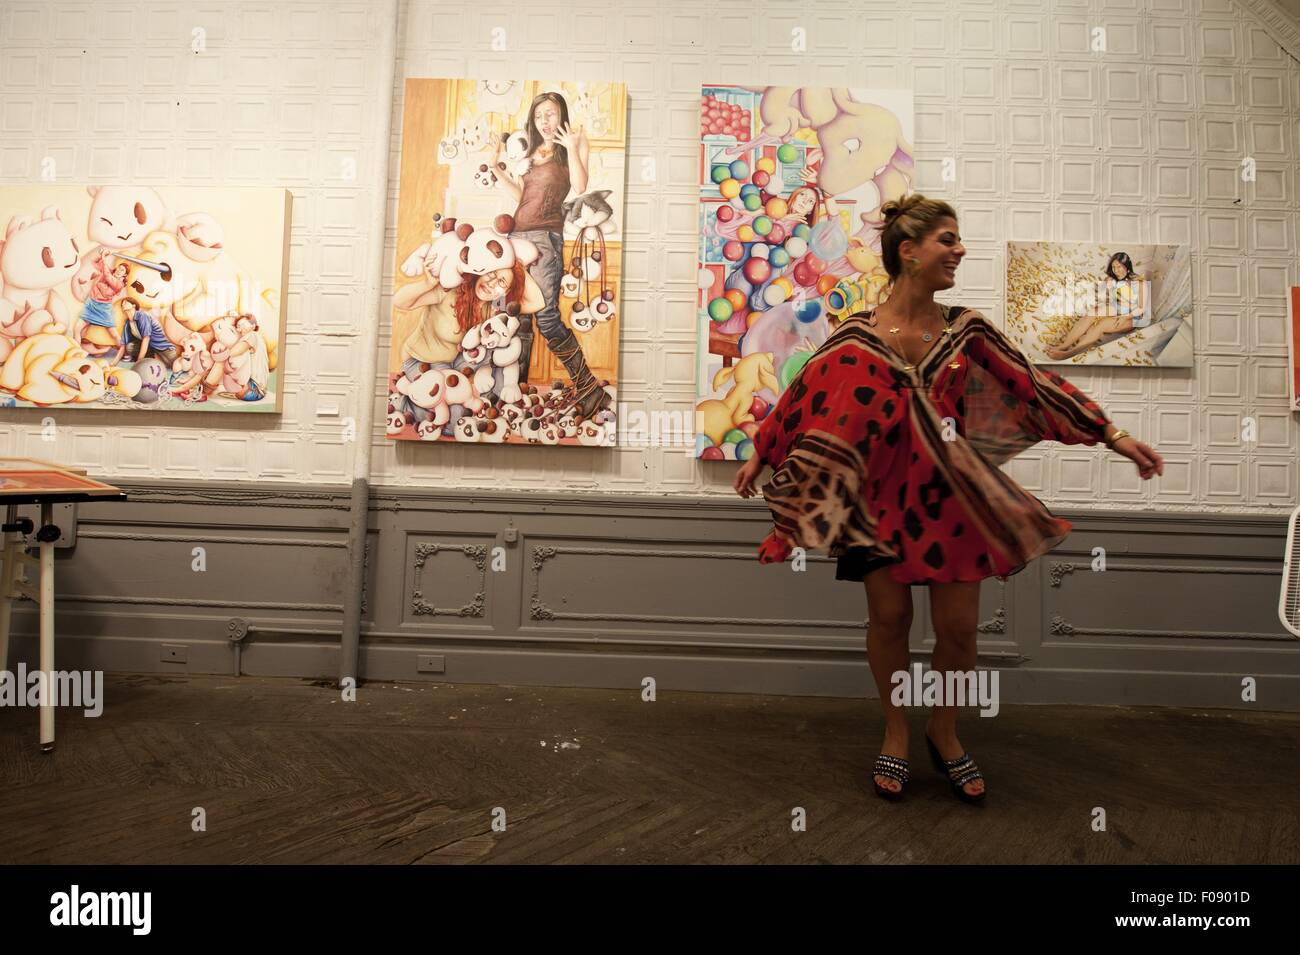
x,y
604,591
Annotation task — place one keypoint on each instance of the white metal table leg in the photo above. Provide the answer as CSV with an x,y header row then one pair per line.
x,y
47,630
8,573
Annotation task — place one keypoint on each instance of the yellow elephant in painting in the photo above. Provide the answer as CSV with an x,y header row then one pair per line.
x,y
860,142
714,416
49,368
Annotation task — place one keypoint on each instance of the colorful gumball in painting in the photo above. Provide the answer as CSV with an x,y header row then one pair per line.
x,y
791,184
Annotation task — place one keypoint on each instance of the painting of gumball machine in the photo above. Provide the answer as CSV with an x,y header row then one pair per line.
x,y
779,268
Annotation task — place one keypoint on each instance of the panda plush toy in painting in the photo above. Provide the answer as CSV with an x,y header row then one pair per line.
x,y
484,176
467,431
515,146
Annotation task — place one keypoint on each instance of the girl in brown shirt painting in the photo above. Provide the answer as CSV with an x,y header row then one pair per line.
x,y
557,155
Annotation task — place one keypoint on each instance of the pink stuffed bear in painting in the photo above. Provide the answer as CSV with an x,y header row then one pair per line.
x,y
34,258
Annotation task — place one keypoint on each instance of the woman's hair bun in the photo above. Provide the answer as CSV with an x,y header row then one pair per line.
x,y
894,208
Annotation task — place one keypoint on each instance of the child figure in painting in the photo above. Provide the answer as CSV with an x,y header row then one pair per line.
x,y
143,334
106,287
867,464
1121,306
194,367
240,353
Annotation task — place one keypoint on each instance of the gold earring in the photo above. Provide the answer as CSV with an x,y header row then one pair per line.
x,y
913,266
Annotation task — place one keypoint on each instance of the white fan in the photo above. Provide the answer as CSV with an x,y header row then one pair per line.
x,y
1288,606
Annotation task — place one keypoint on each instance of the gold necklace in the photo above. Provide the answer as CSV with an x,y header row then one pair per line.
x,y
925,337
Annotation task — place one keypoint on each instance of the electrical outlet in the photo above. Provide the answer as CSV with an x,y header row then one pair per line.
x,y
431,663
175,653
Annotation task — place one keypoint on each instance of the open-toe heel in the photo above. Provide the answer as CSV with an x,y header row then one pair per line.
x,y
960,772
891,767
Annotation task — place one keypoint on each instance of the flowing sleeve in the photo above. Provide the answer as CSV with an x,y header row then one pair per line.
x,y
817,440
1012,404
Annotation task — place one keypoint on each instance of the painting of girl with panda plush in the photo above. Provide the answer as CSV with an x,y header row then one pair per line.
x,y
512,184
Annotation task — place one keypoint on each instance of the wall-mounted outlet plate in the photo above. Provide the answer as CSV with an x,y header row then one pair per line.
x,y
431,663
175,653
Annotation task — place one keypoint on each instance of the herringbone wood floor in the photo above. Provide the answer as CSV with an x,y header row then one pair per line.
x,y
287,772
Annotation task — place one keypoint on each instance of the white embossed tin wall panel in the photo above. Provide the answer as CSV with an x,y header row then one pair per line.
x,y
1057,132
1089,121
182,95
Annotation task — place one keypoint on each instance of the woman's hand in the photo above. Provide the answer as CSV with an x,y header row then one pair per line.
x,y
746,476
774,549
1148,462
569,137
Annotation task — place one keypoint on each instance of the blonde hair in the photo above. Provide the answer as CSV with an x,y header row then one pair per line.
x,y
911,217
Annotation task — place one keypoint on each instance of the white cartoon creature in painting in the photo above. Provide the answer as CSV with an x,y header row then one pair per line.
x,y
440,257
586,111
119,219
589,215
35,256
498,336
192,281
499,96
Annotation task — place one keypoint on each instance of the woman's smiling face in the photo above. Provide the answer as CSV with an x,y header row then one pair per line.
x,y
547,119
1119,269
493,285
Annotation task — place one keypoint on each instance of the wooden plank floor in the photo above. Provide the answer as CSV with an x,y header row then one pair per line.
x,y
287,772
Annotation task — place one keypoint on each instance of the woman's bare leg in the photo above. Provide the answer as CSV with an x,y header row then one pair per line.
x,y
1099,328
1066,344
1109,326
954,610
889,610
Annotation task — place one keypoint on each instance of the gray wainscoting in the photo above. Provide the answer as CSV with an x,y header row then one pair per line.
x,y
597,590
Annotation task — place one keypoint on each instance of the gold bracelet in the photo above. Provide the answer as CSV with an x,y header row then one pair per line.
x,y
1119,433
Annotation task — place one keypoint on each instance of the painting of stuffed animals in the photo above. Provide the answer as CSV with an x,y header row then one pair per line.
x,y
1085,303
791,183
143,298
509,263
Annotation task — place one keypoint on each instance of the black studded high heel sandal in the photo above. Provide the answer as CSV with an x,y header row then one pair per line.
x,y
959,771
891,767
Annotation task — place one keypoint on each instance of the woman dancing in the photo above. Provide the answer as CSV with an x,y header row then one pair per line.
x,y
557,165
886,450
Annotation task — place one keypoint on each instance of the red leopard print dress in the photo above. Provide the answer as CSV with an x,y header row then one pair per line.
x,y
873,455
